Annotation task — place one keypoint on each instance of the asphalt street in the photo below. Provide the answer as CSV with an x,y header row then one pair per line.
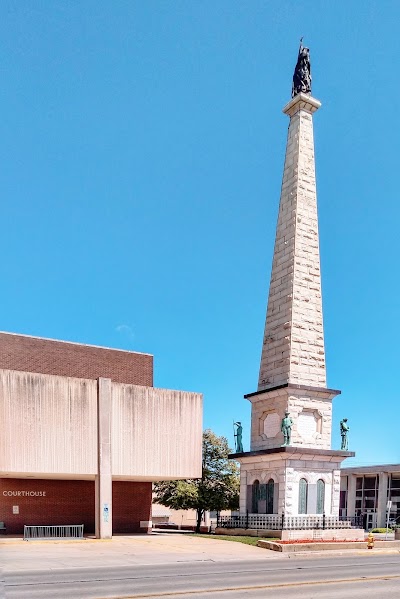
x,y
291,578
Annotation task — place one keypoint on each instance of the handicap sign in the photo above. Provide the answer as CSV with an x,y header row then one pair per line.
x,y
105,512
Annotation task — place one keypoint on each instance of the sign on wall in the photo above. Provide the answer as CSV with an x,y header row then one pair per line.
x,y
24,493
105,512
15,509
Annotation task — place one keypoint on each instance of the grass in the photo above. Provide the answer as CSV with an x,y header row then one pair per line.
x,y
381,530
235,538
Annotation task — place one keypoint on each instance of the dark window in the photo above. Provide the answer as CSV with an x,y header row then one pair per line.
x,y
256,496
303,496
320,496
270,497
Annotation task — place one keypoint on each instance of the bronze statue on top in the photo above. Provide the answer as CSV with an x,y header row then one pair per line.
x,y
238,437
302,72
344,428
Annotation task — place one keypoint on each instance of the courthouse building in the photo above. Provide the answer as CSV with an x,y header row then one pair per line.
x,y
84,434
372,492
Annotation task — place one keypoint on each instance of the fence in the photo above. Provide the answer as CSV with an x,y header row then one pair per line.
x,y
69,531
282,522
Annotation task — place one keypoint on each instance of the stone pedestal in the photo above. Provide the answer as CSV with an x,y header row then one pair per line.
x,y
286,467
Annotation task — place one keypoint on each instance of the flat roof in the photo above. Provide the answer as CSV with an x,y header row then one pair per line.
x,y
371,469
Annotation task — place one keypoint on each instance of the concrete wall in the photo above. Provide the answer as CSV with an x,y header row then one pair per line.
x,y
49,424
156,433
49,427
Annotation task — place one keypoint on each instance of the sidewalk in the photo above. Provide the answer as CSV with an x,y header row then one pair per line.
x,y
125,550
16,554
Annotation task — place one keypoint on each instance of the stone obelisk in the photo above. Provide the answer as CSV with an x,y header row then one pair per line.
x,y
291,468
293,349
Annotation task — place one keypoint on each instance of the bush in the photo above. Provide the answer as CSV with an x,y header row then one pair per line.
x,y
381,530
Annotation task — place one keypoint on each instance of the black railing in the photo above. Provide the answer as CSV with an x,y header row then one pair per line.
x,y
356,521
282,522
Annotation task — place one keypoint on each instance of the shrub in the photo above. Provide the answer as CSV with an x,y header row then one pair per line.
x,y
381,530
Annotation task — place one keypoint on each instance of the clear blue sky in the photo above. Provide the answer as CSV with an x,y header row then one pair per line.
x,y
142,147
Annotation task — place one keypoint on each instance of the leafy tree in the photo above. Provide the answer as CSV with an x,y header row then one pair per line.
x,y
217,489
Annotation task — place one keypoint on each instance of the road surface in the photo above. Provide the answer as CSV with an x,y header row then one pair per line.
x,y
292,578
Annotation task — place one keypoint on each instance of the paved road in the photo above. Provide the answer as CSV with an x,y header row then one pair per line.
x,y
293,578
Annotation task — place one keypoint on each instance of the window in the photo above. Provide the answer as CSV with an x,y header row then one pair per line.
x,y
255,496
366,494
270,497
320,496
393,494
303,496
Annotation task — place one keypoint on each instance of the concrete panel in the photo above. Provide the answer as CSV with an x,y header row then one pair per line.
x,y
49,424
156,433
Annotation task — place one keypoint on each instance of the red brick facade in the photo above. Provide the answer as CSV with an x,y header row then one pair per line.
x,y
131,505
46,356
71,502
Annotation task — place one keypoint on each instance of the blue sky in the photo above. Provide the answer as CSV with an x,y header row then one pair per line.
x,y
141,154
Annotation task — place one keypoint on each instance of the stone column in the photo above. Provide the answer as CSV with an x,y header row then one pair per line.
x,y
382,499
243,492
351,495
103,485
335,492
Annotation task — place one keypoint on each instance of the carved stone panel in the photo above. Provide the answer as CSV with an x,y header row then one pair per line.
x,y
272,425
309,424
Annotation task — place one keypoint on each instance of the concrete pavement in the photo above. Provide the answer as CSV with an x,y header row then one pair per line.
x,y
19,555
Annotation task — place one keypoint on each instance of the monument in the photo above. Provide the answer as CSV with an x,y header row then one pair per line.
x,y
291,469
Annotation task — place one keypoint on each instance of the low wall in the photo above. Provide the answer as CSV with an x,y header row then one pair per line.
x,y
324,546
249,532
336,534
190,527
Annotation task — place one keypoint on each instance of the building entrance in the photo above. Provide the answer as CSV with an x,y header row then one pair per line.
x,y
370,520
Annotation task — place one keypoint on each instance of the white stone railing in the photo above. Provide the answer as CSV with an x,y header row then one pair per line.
x,y
281,522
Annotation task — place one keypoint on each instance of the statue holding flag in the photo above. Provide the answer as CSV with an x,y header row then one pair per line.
x,y
238,437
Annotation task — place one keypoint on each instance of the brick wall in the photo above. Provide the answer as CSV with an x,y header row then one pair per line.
x,y
70,502
131,505
47,356
64,502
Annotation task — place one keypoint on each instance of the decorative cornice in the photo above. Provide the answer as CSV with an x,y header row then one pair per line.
x,y
301,102
290,386
294,450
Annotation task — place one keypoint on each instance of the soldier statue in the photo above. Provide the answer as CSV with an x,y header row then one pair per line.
x,y
238,437
286,428
344,427
302,72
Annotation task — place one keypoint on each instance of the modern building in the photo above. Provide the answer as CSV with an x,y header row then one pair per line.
x,y
84,434
296,474
372,492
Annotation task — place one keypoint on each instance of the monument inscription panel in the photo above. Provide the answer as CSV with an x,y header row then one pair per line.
x,y
272,425
307,425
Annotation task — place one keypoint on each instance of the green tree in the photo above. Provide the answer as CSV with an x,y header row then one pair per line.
x,y
217,489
